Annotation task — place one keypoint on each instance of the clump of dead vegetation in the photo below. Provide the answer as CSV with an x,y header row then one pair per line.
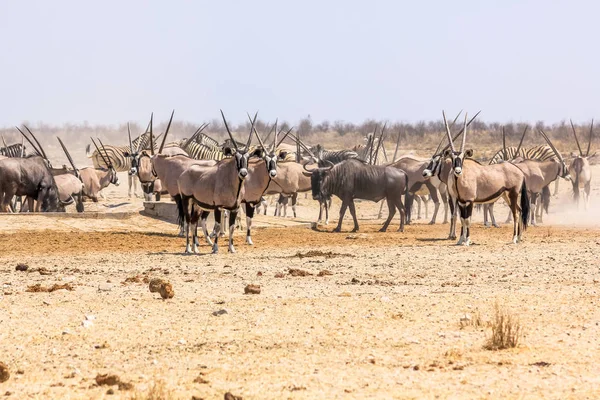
x,y
38,288
157,391
474,320
507,330
319,253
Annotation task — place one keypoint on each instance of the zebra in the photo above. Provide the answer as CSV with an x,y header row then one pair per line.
x,y
120,158
200,151
14,150
206,140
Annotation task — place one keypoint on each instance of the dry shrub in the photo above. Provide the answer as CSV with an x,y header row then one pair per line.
x,y
506,330
156,392
475,321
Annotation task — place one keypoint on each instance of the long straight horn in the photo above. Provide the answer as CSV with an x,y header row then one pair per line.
x,y
284,136
38,143
191,139
271,131
577,140
504,155
521,142
151,134
275,137
249,141
379,143
464,137
305,147
68,155
448,131
398,146
4,141
461,131
100,152
30,142
22,147
587,153
162,144
129,134
228,131
256,133
547,139
437,149
109,162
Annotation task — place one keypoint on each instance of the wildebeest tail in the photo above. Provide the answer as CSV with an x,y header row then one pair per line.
x,y
180,210
546,198
525,205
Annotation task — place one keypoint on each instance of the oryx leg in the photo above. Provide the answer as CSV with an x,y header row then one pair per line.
x,y
129,185
218,215
426,201
556,187
391,213
453,211
466,211
195,216
410,197
586,196
444,195
249,215
294,202
492,217
534,205
512,199
187,206
232,218
353,213
436,202
203,217
41,195
419,200
338,228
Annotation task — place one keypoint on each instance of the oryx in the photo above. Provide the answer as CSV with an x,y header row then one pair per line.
x,y
580,168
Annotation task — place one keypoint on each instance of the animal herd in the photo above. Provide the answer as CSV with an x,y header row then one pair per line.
x,y
203,176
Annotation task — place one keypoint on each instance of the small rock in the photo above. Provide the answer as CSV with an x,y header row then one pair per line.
x,y
252,289
110,391
345,294
46,302
22,267
44,271
181,341
219,312
105,287
106,379
87,324
230,396
90,317
4,373
279,275
324,272
259,273
416,367
66,332
154,285
197,398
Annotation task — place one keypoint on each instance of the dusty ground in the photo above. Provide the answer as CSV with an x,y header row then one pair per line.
x,y
385,324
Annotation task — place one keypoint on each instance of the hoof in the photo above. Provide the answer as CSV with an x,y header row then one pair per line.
x,y
249,241
431,223
231,249
337,230
496,226
382,230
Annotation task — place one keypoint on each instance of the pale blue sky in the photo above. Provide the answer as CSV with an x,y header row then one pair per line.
x,y
114,61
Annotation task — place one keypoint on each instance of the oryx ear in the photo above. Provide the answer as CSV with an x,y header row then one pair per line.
x,y
447,153
227,151
469,153
258,152
282,155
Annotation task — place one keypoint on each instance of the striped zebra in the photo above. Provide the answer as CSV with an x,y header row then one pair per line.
x,y
206,140
14,150
119,156
200,151
540,153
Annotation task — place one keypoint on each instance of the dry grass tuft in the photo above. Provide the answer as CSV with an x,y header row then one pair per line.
x,y
475,320
506,330
156,392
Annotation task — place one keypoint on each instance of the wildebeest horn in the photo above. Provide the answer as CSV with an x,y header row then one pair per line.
x,y
310,171
551,145
587,154
228,131
100,152
38,143
109,164
249,141
329,166
129,134
30,142
577,140
464,137
521,142
256,133
448,131
461,131
68,156
162,144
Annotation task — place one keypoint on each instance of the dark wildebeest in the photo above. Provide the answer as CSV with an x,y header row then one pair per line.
x,y
355,179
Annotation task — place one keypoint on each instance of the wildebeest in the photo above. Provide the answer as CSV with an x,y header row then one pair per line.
x,y
29,177
355,179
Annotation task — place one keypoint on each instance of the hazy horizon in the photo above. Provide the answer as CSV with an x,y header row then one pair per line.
x,y
113,62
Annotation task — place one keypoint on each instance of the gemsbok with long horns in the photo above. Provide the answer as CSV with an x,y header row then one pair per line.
x,y
216,188
470,183
580,168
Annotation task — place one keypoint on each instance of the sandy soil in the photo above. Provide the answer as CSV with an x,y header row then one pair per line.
x,y
385,324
